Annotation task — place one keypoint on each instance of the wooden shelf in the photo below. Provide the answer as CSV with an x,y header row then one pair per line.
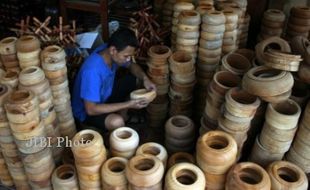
x,y
100,8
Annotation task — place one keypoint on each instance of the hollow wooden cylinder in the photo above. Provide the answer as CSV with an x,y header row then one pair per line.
x,y
247,175
113,173
216,152
286,175
144,170
184,176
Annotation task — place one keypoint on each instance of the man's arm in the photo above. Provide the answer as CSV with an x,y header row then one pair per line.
x,y
92,108
136,70
97,109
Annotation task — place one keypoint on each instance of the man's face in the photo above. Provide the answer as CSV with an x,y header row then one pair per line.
x,y
124,56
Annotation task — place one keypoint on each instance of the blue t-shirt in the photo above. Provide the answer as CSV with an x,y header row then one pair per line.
x,y
94,82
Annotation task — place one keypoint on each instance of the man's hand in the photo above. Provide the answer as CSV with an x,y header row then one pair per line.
x,y
138,103
148,84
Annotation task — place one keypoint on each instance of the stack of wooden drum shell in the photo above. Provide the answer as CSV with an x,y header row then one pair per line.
x,y
243,29
210,46
205,2
177,9
28,51
238,64
113,173
221,83
272,24
222,4
282,60
247,175
55,69
239,110
16,167
211,40
5,176
216,152
300,46
184,176
242,4
8,146
266,78
39,168
124,142
8,53
181,65
29,133
89,154
262,46
299,151
231,31
180,157
33,78
179,134
29,128
167,12
208,59
145,172
243,23
10,78
286,175
158,71
64,177
204,6
154,149
187,34
278,132
298,22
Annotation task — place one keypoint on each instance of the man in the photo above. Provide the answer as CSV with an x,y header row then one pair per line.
x,y
97,97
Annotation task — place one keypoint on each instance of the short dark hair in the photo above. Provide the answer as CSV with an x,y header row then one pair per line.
x,y
122,38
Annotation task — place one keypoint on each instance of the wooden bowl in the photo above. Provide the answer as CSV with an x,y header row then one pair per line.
x,y
143,93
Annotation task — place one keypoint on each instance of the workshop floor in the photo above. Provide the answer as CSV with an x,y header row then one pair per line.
x,y
146,133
